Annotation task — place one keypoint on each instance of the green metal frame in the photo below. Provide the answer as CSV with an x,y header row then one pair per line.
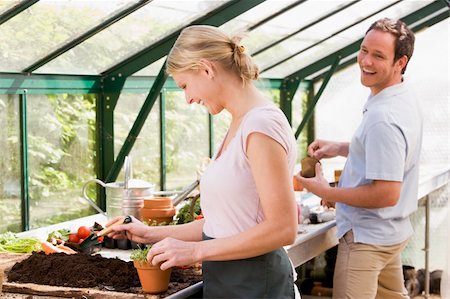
x,y
48,84
11,13
162,140
25,202
138,124
313,103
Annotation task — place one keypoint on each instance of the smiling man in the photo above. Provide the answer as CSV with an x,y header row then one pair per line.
x,y
378,187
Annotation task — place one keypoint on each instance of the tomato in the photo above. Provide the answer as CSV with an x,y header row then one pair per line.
x,y
74,238
100,239
83,232
199,217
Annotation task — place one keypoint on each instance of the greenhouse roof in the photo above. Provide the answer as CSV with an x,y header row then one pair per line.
x,y
122,38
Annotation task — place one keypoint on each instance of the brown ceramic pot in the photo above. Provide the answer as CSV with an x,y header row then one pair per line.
x,y
158,203
309,167
158,209
153,279
158,215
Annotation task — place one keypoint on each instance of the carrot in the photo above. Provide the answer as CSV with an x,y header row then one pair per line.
x,y
66,249
50,248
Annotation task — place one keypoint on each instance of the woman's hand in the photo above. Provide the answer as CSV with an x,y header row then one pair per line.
x,y
172,252
135,230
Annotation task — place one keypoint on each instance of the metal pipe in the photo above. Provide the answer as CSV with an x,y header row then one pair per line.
x,y
25,203
427,247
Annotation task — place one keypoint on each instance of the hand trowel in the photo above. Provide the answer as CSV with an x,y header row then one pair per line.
x,y
92,239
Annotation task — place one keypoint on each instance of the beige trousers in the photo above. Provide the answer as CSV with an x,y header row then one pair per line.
x,y
366,271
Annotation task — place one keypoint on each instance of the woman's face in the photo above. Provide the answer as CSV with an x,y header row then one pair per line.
x,y
199,87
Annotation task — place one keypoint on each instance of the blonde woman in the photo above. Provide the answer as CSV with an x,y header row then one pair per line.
x,y
247,196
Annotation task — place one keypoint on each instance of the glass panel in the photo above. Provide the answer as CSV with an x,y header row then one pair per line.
x,y
47,25
254,15
287,23
187,140
145,153
318,32
10,161
153,69
8,4
339,41
61,153
150,23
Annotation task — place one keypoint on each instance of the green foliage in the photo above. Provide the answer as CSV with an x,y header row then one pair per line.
x,y
60,234
140,254
9,242
187,213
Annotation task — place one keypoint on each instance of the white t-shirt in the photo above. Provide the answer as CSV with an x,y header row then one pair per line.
x,y
229,199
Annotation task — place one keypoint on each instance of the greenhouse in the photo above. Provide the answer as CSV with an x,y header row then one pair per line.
x,y
87,109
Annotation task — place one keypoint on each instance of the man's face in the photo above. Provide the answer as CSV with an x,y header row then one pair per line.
x,y
376,61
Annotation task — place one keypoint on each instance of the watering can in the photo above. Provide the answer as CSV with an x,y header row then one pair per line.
x,y
122,198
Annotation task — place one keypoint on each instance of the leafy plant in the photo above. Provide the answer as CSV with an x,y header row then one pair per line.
x,y
187,213
140,254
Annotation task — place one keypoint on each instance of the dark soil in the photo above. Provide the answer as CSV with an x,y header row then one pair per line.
x,y
75,270
91,271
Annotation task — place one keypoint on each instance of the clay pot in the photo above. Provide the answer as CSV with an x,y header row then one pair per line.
x,y
158,203
309,167
158,209
297,184
153,279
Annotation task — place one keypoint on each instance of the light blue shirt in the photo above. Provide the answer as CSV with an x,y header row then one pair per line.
x,y
386,146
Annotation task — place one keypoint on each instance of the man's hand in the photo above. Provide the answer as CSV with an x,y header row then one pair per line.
x,y
317,185
327,149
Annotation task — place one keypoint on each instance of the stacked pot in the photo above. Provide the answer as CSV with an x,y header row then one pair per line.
x,y
158,209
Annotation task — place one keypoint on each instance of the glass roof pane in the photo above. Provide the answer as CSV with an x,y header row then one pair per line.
x,y
288,22
47,25
318,32
340,40
8,4
254,15
128,36
153,69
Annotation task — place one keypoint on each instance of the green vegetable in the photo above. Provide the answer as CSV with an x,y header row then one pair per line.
x,y
9,242
61,234
140,254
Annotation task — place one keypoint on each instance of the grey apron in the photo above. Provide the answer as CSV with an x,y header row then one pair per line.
x,y
265,276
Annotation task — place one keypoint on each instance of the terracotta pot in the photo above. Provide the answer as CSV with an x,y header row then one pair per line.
x,y
153,279
162,215
158,209
297,185
158,203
